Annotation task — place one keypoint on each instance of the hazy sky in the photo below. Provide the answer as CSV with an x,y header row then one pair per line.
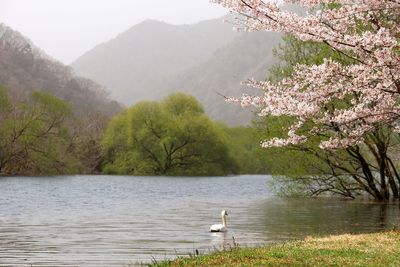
x,y
65,29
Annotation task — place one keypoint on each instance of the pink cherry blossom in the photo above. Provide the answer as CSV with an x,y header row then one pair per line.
x,y
371,85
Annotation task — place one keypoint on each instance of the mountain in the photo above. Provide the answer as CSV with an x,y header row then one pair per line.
x,y
25,68
248,56
207,59
144,58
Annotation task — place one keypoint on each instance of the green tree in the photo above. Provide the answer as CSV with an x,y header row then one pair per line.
x,y
172,137
245,148
33,137
86,134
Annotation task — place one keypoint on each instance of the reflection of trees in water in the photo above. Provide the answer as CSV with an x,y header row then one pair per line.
x,y
383,216
295,218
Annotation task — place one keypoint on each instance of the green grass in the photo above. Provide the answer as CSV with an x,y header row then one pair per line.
x,y
377,249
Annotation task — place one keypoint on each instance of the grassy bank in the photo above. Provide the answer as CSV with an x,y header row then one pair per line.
x,y
377,249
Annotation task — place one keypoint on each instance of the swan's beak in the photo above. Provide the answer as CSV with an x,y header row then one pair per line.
x,y
226,213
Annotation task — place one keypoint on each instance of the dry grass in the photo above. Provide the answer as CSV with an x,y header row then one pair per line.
x,y
387,242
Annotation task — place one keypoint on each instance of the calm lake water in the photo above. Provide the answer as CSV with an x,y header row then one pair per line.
x,y
123,221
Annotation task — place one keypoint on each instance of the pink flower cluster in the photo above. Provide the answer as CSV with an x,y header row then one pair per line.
x,y
366,31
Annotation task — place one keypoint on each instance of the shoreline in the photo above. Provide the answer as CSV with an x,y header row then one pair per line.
x,y
373,249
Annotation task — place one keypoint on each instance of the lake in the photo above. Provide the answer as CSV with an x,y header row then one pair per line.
x,y
124,221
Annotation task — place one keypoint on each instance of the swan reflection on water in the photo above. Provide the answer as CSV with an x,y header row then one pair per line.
x,y
221,240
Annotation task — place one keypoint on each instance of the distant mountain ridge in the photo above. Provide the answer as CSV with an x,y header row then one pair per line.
x,y
25,68
248,56
144,57
153,59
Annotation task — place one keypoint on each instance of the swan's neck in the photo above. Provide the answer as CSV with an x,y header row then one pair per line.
x,y
224,221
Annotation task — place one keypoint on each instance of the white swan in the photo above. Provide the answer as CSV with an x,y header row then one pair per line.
x,y
220,227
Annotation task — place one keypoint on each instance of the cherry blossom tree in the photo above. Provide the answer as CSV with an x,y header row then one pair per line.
x,y
364,31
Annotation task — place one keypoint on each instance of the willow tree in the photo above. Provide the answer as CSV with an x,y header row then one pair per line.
x,y
34,138
172,137
353,107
